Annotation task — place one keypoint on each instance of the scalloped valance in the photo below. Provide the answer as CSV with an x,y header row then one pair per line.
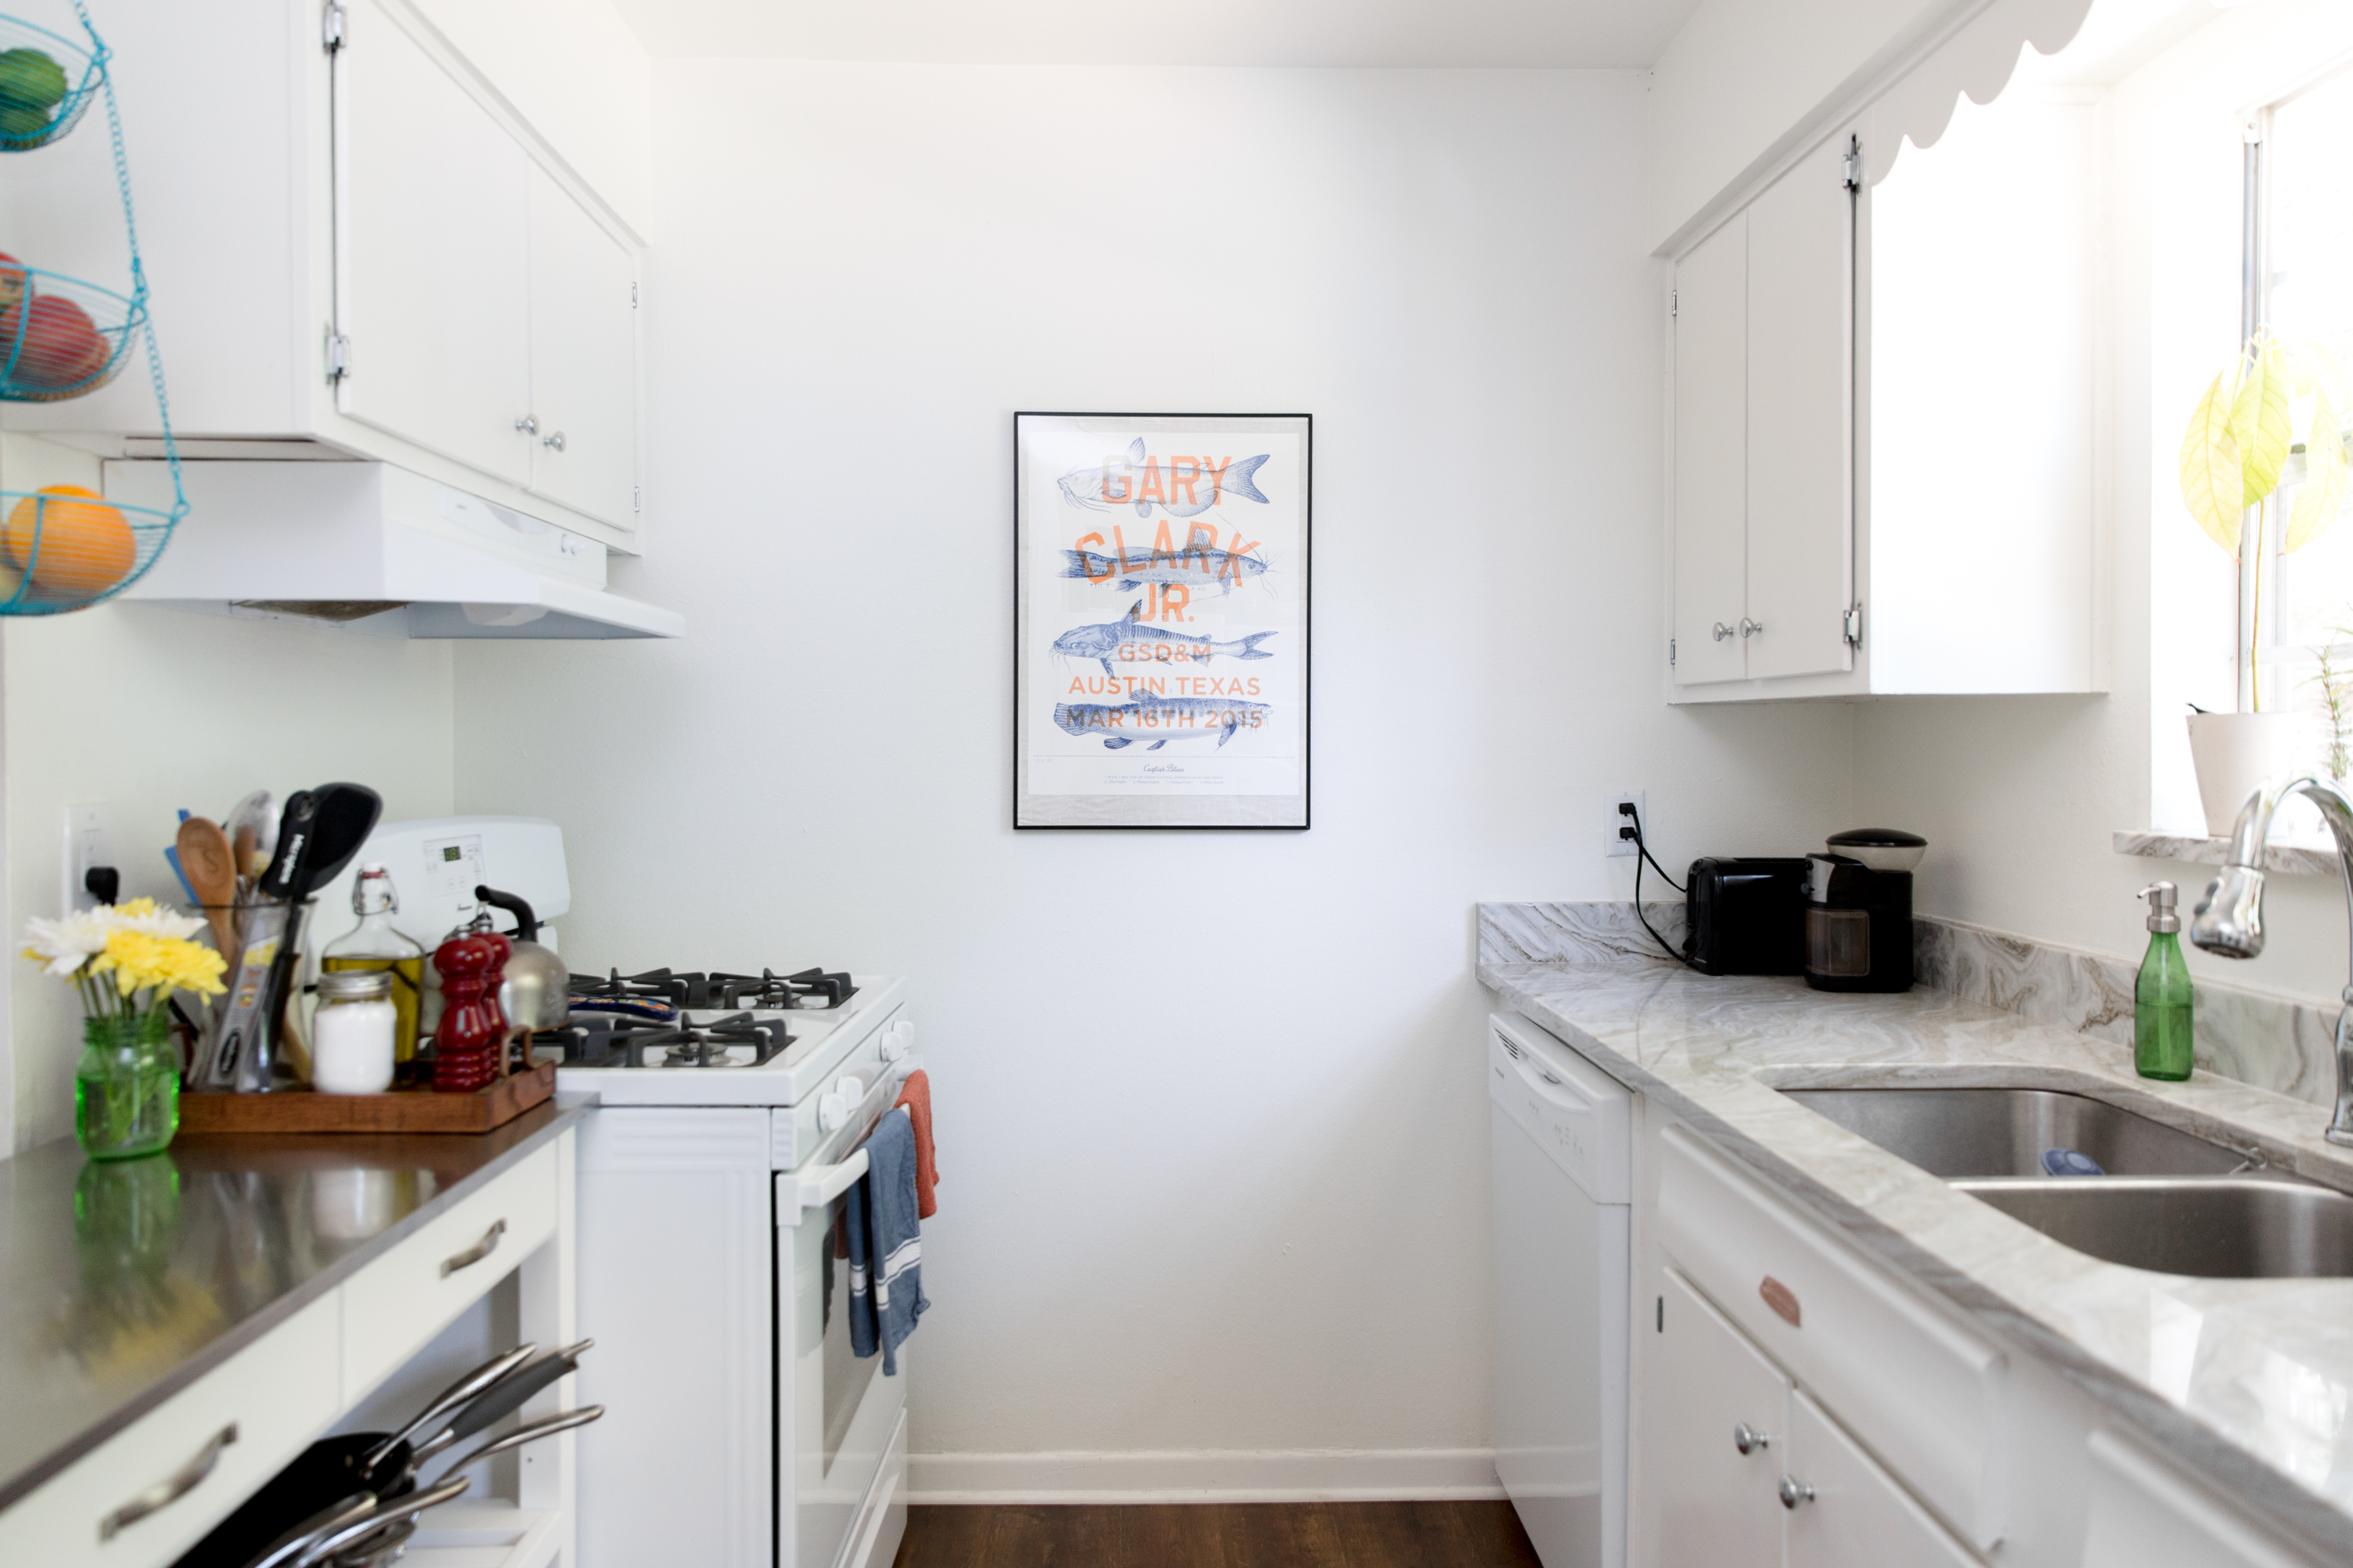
x,y
1978,59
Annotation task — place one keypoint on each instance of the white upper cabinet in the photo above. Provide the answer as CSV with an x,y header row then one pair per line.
x,y
362,251
1710,472
584,360
433,241
1894,385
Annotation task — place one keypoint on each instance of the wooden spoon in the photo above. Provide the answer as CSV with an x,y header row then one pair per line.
x,y
211,868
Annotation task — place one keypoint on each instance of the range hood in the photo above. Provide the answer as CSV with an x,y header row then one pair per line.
x,y
377,549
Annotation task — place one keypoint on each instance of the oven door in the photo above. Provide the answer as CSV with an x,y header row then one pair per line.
x,y
838,1406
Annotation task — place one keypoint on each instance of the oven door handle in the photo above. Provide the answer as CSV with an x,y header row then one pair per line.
x,y
816,1186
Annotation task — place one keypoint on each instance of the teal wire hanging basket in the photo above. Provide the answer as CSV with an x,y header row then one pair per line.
x,y
64,547
47,79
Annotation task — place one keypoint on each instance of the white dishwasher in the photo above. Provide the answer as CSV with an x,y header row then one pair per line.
x,y
1563,1137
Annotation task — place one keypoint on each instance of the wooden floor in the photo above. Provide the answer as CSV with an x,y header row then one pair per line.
x,y
1220,1535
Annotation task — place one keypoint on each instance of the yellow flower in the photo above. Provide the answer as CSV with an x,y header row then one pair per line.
x,y
140,961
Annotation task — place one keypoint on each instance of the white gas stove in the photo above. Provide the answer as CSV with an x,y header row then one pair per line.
x,y
731,1111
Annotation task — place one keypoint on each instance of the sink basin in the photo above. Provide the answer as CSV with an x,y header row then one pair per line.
x,y
1957,1134
2241,1228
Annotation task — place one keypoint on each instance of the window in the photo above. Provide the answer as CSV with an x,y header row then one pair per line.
x,y
2300,240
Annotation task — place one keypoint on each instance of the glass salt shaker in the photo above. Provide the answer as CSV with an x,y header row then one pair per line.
x,y
352,1034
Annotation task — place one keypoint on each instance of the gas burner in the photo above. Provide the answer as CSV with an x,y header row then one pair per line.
x,y
658,985
738,1040
811,988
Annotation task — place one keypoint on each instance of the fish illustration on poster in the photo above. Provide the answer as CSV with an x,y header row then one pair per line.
x,y
1161,620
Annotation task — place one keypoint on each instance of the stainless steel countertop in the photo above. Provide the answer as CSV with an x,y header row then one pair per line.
x,y
121,1284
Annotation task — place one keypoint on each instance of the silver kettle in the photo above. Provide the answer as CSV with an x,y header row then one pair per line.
x,y
537,990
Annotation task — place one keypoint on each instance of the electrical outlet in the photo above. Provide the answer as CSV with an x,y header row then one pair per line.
x,y
1618,833
90,841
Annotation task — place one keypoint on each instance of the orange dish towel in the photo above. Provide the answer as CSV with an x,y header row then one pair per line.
x,y
916,1096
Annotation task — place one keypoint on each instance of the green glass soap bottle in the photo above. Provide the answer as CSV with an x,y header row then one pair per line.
x,y
2162,1035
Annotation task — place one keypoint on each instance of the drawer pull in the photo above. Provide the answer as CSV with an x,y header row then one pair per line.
x,y
1781,1299
1747,1439
1795,1491
171,1488
476,1253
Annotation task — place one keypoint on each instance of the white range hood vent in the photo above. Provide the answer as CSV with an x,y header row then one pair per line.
x,y
377,549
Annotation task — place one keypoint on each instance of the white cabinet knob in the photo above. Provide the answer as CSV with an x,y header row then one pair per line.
x,y
832,1113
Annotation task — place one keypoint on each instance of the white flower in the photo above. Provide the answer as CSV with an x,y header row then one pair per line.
x,y
65,945
148,918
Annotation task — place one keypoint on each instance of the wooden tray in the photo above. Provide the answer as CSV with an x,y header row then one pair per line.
x,y
409,1110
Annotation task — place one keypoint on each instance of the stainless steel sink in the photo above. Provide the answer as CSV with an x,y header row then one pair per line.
x,y
1965,1132
2235,1229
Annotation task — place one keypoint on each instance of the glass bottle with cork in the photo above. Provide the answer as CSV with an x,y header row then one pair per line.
x,y
375,945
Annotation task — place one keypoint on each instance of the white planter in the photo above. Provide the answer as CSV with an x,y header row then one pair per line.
x,y
2236,752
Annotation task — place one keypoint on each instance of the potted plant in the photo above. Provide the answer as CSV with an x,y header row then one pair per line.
x,y
126,960
2240,449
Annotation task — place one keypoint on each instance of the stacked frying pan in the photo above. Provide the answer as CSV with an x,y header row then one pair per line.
x,y
353,1501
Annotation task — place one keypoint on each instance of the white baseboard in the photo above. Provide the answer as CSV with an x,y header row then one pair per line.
x,y
1287,1475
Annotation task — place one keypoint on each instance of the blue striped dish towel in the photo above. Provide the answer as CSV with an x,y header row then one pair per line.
x,y
886,1251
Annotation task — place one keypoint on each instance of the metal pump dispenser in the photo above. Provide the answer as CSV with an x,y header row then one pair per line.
x,y
2162,916
2164,1035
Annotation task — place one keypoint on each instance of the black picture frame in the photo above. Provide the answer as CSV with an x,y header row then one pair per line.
x,y
1239,707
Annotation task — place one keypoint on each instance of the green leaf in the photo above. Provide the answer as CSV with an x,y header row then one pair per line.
x,y
2322,496
2211,475
2259,419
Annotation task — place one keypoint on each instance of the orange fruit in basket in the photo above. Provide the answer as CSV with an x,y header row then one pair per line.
x,y
62,346
84,546
11,280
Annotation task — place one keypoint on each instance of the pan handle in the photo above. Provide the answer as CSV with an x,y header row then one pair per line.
x,y
451,1399
331,1541
334,1517
530,1433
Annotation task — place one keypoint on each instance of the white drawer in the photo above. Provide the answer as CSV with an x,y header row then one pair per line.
x,y
1922,1392
410,1294
278,1393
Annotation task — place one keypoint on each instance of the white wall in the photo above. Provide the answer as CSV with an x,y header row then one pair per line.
x,y
2019,796
1213,1148
150,709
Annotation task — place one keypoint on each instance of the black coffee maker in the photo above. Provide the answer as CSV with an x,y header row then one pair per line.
x,y
1859,910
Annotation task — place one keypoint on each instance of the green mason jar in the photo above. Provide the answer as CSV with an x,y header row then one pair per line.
x,y
126,1086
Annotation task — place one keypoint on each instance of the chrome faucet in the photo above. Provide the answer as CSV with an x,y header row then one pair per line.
x,y
2231,916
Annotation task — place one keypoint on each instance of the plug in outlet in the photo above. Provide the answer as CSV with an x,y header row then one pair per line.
x,y
89,842
1618,834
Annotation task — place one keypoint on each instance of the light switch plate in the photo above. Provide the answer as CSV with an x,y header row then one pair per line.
x,y
1611,843
90,841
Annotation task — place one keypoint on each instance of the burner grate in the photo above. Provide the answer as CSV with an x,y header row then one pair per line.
x,y
600,1042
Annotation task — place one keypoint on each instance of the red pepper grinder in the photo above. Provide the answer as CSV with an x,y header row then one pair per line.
x,y
467,1046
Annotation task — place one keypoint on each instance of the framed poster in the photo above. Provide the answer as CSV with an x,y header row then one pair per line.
x,y
1160,620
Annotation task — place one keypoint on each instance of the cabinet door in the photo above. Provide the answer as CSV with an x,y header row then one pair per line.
x,y
1801,356
1714,1505
1856,1517
432,254
1711,454
584,359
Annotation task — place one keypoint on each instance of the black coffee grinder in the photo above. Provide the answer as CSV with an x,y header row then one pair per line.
x,y
1859,910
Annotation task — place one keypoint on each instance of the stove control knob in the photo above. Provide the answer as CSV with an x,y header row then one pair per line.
x,y
898,1040
832,1113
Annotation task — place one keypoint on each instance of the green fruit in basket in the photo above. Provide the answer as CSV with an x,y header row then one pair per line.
x,y
30,78
19,121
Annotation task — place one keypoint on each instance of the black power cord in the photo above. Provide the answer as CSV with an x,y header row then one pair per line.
x,y
1632,828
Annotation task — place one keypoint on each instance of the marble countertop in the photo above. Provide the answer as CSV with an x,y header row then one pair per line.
x,y
122,1283
2248,1381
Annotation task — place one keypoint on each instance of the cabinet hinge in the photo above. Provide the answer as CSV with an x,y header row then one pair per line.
x,y
1670,650
331,28
1854,163
1675,302
633,293
635,505
339,356
1854,626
